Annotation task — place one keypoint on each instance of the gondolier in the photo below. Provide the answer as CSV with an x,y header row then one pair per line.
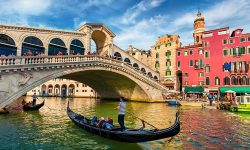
x,y
34,97
121,114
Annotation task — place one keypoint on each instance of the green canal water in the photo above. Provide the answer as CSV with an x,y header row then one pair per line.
x,y
50,127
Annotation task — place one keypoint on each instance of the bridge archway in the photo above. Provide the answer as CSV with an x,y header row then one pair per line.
x,y
7,45
99,38
57,47
32,46
77,47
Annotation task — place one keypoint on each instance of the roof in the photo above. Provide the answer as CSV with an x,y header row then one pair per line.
x,y
233,33
223,28
190,46
99,25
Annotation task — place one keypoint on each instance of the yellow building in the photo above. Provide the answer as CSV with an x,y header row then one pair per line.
x,y
144,56
164,59
64,88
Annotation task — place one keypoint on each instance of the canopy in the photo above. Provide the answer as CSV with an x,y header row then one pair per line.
x,y
235,89
194,89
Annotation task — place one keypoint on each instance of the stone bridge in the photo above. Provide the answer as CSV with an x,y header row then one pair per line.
x,y
111,78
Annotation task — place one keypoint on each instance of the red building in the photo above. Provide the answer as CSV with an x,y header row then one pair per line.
x,y
217,59
226,58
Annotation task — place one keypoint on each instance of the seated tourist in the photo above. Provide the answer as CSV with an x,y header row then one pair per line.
x,y
100,122
107,125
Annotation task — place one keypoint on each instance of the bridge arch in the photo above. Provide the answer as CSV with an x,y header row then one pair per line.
x,y
77,47
7,45
118,56
127,60
57,47
99,38
143,70
136,66
32,46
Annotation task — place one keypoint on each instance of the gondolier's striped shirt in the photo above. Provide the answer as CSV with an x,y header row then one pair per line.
x,y
122,108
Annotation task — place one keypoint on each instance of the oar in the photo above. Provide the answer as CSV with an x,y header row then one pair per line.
x,y
142,120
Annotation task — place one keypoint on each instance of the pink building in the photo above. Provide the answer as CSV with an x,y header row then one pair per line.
x,y
226,58
216,60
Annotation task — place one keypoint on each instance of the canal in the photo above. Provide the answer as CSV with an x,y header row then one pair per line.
x,y
50,127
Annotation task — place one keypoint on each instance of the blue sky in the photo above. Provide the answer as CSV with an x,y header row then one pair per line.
x,y
135,22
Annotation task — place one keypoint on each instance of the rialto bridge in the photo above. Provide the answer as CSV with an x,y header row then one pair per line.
x,y
30,58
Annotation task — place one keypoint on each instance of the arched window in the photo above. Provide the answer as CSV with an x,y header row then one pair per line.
x,y
234,81
168,63
143,70
239,79
32,46
225,52
118,56
57,47
155,77
216,81
168,53
127,60
226,81
157,55
136,66
7,45
76,47
207,81
244,80
157,65
168,73
150,74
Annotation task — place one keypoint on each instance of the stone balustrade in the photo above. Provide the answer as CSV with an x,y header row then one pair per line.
x,y
32,60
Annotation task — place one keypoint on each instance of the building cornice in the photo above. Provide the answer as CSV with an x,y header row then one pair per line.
x,y
32,29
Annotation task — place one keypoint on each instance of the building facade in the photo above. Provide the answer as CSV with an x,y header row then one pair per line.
x,y
63,88
164,59
141,55
216,59
226,58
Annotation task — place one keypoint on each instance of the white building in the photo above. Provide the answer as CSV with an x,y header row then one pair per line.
x,y
63,87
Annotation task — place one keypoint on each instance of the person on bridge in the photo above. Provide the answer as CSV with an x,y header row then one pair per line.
x,y
34,97
121,114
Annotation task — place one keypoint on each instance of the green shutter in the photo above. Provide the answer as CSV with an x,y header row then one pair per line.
x,y
234,51
207,54
225,52
249,50
200,63
243,50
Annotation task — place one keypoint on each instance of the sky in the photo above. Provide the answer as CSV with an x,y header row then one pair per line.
x,y
135,22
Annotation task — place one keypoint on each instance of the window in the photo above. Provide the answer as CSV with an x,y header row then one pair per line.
x,y
201,74
179,64
77,85
168,73
205,44
185,53
231,41
168,53
200,51
224,41
157,65
185,74
207,35
186,82
191,63
83,85
207,54
76,90
207,81
242,50
225,52
217,81
201,83
226,81
207,68
248,39
178,53
242,39
157,55
248,50
168,63
191,52
82,90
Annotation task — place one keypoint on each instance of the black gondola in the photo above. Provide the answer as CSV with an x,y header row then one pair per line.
x,y
28,107
128,135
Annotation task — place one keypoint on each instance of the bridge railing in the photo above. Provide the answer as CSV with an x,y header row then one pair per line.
x,y
30,60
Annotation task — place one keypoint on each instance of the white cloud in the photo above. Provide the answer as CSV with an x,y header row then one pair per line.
x,y
133,12
143,34
13,11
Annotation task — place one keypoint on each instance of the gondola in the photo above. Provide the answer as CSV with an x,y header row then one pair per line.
x,y
128,135
28,107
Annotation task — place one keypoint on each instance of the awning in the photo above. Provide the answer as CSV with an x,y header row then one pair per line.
x,y
194,89
235,89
